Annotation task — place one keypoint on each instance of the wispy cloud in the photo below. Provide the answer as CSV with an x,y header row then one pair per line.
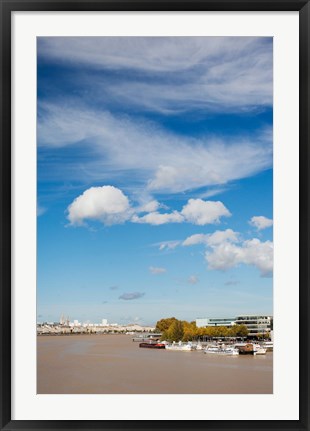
x,y
121,146
212,72
40,210
156,270
232,283
214,238
212,192
167,245
193,279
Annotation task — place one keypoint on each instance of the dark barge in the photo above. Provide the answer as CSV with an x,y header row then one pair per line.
x,y
152,345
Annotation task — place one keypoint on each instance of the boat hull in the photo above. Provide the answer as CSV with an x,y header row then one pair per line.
x,y
152,345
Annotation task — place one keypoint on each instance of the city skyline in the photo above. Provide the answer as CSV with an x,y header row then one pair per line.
x,y
154,178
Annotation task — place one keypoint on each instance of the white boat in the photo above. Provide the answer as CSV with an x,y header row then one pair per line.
x,y
180,347
259,350
228,351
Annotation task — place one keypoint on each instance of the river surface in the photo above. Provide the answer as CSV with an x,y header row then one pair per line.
x,y
114,364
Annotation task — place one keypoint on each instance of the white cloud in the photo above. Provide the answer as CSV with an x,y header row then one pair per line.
x,y
219,237
216,237
150,206
110,205
225,250
193,279
251,252
106,204
120,146
261,222
198,238
196,211
202,212
157,218
156,270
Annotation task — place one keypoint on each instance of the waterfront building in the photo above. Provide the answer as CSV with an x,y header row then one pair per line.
x,y
256,324
213,321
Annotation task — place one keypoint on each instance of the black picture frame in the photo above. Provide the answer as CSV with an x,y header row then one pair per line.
x,y
9,6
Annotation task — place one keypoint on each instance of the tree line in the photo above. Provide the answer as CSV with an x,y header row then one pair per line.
x,y
173,329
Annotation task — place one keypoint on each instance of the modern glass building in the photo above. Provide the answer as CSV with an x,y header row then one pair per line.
x,y
256,324
203,322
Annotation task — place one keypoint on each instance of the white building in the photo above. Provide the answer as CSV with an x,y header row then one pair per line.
x,y
104,322
215,321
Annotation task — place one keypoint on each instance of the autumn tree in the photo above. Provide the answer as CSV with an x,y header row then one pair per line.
x,y
176,331
190,331
242,331
164,324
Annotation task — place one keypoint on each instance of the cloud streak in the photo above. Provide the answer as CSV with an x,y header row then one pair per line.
x,y
193,279
121,146
157,270
212,72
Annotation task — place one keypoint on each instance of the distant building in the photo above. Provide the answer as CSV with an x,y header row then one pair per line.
x,y
256,324
104,322
205,322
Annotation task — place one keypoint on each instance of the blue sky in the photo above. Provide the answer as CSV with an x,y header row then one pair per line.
x,y
154,178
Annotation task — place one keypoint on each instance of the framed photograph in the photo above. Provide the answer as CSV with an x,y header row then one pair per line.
x,y
154,215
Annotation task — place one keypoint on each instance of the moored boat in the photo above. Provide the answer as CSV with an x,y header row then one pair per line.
x,y
180,347
228,351
260,350
152,345
250,349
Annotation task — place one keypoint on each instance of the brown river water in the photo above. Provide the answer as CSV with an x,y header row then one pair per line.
x,y
114,364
